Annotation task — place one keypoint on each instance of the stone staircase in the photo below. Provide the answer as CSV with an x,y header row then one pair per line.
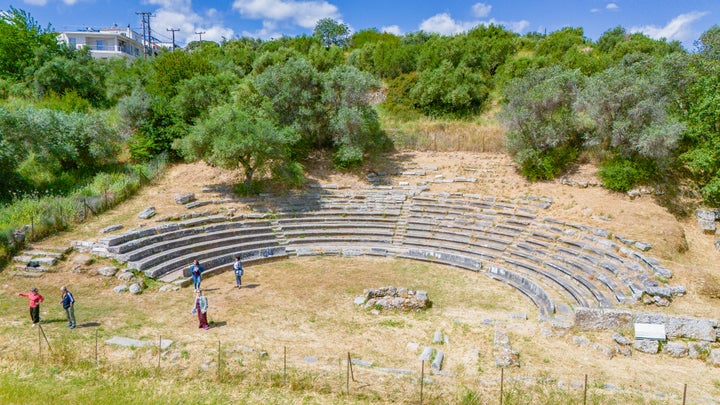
x,y
37,260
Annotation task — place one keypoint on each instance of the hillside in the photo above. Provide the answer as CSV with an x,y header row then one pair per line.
x,y
304,306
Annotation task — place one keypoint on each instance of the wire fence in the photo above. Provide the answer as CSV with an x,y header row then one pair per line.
x,y
347,376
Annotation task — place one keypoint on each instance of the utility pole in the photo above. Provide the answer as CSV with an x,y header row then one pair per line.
x,y
147,34
200,34
173,35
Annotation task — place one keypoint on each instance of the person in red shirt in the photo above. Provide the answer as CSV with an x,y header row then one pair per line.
x,y
35,299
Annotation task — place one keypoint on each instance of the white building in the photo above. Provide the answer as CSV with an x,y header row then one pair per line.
x,y
106,42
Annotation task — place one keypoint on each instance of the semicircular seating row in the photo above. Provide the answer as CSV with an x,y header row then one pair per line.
x,y
557,265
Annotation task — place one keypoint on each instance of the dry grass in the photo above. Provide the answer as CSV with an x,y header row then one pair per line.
x,y
305,305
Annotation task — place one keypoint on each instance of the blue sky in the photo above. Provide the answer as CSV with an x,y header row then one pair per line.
x,y
682,20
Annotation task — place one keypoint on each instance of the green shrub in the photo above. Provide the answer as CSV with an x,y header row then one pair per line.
x,y
711,191
621,175
545,165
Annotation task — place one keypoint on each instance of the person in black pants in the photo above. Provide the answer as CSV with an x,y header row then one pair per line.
x,y
35,299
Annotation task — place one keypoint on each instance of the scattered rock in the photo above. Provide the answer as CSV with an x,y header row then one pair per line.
x,y
437,361
107,271
111,228
83,260
437,337
400,298
125,275
120,288
706,220
147,213
643,246
184,198
169,287
580,340
621,340
135,288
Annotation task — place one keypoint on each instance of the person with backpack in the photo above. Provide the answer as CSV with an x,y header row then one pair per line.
x,y
195,271
68,303
238,269
35,299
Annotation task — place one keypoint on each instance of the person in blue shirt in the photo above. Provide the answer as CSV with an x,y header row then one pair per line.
x,y
195,271
238,269
68,303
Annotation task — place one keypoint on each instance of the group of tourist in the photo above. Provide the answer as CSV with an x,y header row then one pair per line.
x,y
67,300
200,304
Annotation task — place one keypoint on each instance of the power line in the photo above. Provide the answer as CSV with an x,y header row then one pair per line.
x,y
200,34
173,30
147,34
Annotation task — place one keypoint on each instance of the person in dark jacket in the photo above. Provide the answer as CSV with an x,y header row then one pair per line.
x,y
68,303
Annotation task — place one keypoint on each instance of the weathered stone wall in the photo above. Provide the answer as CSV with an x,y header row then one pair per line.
x,y
675,326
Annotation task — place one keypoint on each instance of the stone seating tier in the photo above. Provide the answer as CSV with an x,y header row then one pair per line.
x,y
165,251
148,246
183,261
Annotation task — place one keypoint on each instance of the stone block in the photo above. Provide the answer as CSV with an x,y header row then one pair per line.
x,y
147,213
598,319
675,349
437,361
108,271
184,198
111,228
714,358
426,353
621,340
646,346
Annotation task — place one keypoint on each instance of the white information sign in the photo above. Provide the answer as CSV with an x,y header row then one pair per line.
x,y
650,331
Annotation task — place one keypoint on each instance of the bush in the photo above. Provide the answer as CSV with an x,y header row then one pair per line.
x,y
621,175
711,192
545,165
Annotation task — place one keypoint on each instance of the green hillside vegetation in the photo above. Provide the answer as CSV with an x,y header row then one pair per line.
x,y
74,128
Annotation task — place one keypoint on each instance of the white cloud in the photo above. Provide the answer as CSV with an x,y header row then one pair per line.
x,y
303,13
679,28
594,10
445,25
481,9
35,2
611,6
268,31
179,14
392,29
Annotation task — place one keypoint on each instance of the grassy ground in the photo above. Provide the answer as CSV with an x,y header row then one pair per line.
x,y
304,307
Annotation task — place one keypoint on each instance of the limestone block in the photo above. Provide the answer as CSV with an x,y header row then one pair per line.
x,y
147,213
111,228
135,288
621,340
598,319
437,361
108,271
646,346
184,198
675,349
120,288
714,358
